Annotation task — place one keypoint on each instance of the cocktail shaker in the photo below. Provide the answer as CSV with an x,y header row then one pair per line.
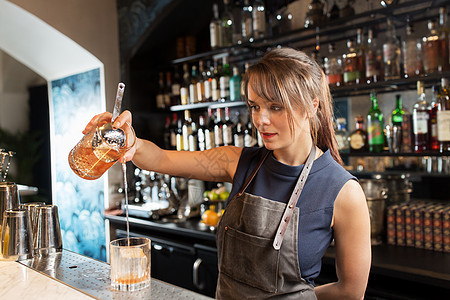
x,y
47,233
16,242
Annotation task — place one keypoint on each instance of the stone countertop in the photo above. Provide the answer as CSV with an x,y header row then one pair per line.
x,y
68,275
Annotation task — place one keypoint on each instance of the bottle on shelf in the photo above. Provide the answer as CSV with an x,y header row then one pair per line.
x,y
235,85
201,78
391,53
227,128
176,86
207,82
361,51
173,131
333,67
238,134
412,53
179,136
433,144
375,126
209,130
201,133
225,80
184,90
352,67
247,22
373,59
443,116
444,47
168,90
398,112
193,95
249,136
259,19
215,29
421,116
186,129
431,49
342,135
167,133
215,81
227,24
193,137
357,139
218,129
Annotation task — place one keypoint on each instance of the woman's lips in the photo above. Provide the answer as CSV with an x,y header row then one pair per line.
x,y
267,135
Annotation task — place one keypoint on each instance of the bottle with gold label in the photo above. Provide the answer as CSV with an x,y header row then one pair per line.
x,y
358,138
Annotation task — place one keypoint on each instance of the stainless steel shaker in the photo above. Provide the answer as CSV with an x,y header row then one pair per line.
x,y
16,242
9,198
47,233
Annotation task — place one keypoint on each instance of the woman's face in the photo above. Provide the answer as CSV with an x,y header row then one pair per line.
x,y
271,120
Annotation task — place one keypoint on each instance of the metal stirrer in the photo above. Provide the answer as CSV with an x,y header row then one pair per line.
x,y
4,154
118,103
11,154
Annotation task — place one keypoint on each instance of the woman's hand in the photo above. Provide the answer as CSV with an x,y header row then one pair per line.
x,y
124,117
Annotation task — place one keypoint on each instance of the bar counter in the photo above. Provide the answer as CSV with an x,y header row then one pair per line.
x,y
68,275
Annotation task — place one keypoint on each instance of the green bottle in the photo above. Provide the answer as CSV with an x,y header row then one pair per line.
x,y
375,125
397,114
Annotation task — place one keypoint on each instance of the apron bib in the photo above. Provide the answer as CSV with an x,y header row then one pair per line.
x,y
257,242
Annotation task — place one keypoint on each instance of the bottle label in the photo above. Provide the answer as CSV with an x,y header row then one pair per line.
x,y
218,136
443,126
184,95
207,85
227,135
420,122
389,52
225,87
351,76
176,89
193,98
375,132
356,141
209,139
214,90
249,140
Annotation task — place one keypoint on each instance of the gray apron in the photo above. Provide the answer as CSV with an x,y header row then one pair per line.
x,y
257,246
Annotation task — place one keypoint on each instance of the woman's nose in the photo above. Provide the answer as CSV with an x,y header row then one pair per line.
x,y
264,117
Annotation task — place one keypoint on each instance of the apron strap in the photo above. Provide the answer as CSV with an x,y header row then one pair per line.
x,y
252,175
293,200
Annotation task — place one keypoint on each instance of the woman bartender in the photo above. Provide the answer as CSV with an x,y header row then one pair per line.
x,y
289,199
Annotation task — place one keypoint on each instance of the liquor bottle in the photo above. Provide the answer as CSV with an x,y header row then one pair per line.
x,y
398,113
247,22
160,95
193,137
173,131
443,116
180,146
239,135
176,86
215,88
391,53
209,131
407,131
421,116
249,136
352,74
201,133
235,85
184,90
207,82
412,53
227,24
187,129
444,46
333,67
225,80
431,49
218,131
357,139
227,128
373,59
433,144
375,126
342,135
201,82
215,29
166,134
193,96
259,19
361,50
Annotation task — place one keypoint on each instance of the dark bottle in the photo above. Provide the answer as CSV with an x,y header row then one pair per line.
x,y
421,116
201,133
431,58
167,133
352,67
391,53
173,132
443,117
375,125
227,128
444,47
239,135
398,113
373,59
218,131
358,138
176,86
249,136
432,124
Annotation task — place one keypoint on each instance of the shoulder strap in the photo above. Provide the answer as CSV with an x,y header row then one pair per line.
x,y
252,175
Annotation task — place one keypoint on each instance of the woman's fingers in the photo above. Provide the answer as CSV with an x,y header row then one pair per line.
x,y
123,118
93,122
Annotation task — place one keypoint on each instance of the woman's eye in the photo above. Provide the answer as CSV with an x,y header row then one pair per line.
x,y
276,107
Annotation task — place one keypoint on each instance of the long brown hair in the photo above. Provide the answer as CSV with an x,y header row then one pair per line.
x,y
294,79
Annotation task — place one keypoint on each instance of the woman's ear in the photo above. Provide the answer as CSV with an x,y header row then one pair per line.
x,y
315,104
